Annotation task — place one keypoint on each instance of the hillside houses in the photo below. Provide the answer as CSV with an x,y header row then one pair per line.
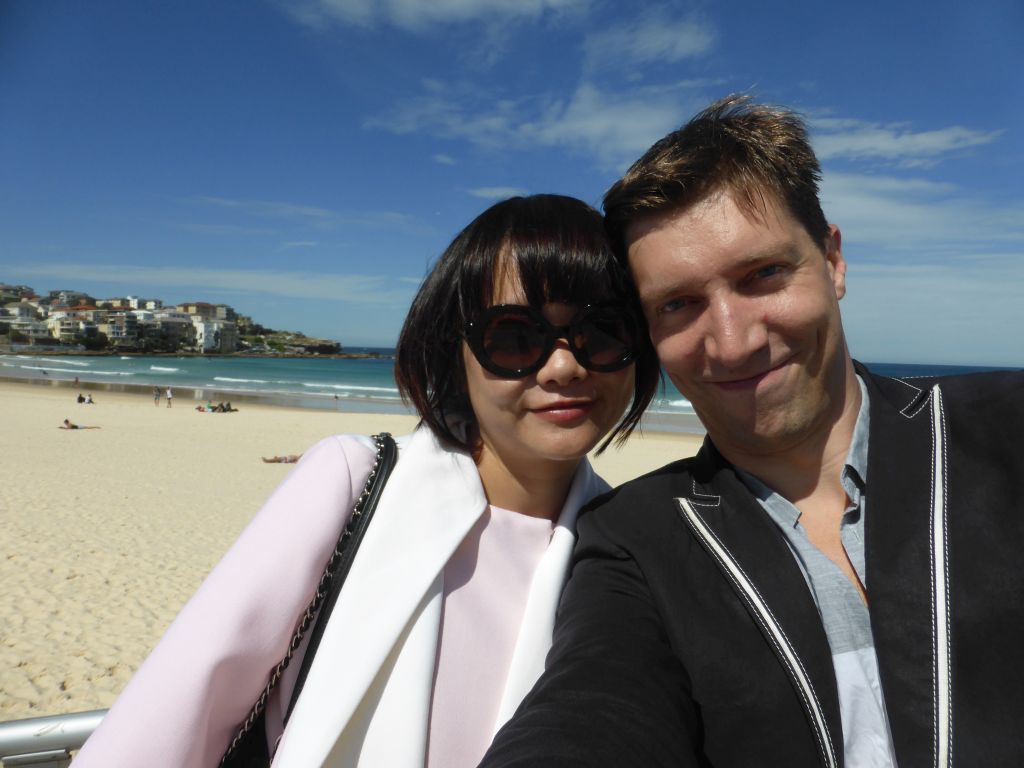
x,y
129,323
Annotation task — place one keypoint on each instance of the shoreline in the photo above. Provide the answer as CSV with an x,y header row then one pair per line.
x,y
652,421
111,530
226,355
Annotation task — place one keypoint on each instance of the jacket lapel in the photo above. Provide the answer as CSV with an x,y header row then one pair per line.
x,y
899,563
387,616
535,633
753,555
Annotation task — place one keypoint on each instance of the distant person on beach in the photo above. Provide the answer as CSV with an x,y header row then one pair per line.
x,y
522,352
68,425
88,399
156,395
835,579
169,396
80,399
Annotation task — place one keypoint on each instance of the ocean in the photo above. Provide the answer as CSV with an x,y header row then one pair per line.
x,y
358,384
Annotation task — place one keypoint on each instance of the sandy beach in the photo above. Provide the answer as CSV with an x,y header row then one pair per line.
x,y
108,531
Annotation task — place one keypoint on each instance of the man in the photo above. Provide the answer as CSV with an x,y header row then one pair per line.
x,y
835,578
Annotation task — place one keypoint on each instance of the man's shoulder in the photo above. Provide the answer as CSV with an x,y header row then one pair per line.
x,y
981,411
984,385
642,495
982,382
985,389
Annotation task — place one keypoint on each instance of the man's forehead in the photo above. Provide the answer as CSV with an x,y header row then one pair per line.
x,y
761,209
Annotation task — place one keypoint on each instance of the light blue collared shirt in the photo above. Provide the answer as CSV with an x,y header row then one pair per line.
x,y
867,741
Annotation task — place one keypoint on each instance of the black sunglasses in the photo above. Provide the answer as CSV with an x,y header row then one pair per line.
x,y
513,341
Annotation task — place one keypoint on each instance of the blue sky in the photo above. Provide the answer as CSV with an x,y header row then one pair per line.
x,y
307,161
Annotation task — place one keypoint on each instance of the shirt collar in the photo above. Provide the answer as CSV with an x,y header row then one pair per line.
x,y
854,475
857,457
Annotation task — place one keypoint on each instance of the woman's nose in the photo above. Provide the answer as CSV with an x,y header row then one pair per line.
x,y
561,366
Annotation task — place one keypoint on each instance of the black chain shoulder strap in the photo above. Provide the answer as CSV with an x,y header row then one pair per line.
x,y
249,748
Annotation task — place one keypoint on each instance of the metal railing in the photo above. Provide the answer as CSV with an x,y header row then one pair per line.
x,y
46,742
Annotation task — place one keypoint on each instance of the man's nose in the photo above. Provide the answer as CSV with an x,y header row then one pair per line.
x,y
735,330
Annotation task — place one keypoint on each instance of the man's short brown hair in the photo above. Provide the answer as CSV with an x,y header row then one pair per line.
x,y
748,149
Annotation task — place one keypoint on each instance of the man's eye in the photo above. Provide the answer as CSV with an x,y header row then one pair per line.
x,y
768,271
673,306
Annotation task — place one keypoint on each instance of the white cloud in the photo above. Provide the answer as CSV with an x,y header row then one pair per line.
x,y
612,126
363,289
268,208
417,15
651,37
917,215
443,159
497,193
223,229
894,142
616,127
320,218
934,273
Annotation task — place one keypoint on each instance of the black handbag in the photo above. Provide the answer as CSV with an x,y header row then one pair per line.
x,y
249,747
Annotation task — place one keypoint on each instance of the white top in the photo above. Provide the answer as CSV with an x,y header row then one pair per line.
x,y
486,585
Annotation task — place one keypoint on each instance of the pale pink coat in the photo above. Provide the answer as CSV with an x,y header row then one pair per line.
x,y
367,698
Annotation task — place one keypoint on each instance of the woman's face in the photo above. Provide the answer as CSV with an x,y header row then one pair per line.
x,y
557,414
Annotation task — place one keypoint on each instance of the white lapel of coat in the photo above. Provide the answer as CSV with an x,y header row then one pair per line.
x,y
388,617
535,634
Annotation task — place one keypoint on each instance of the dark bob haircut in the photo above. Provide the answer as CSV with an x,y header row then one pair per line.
x,y
556,248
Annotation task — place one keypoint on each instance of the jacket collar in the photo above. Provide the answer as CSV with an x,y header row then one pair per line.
x,y
538,625
391,597
381,640
740,528
897,565
898,556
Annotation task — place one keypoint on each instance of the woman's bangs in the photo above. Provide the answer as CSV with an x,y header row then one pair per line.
x,y
567,273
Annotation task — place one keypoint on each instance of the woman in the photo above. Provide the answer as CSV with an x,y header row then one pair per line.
x,y
522,351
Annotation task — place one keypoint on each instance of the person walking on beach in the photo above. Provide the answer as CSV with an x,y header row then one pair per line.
x,y
835,578
156,396
522,352
169,396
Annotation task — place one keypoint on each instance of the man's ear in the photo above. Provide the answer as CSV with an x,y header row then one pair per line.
x,y
834,259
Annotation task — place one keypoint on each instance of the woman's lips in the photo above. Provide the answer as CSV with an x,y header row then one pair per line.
x,y
560,413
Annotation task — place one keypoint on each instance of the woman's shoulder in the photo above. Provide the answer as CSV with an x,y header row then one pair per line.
x,y
325,458
353,449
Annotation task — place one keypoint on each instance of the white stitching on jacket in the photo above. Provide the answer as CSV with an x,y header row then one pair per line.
x,y
917,391
713,500
776,634
939,554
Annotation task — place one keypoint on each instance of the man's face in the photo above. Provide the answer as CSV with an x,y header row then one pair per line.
x,y
744,314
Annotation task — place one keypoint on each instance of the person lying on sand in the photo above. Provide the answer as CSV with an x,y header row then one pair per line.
x,y
68,425
289,459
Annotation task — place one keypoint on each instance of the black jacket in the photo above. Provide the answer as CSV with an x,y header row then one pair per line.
x,y
687,635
